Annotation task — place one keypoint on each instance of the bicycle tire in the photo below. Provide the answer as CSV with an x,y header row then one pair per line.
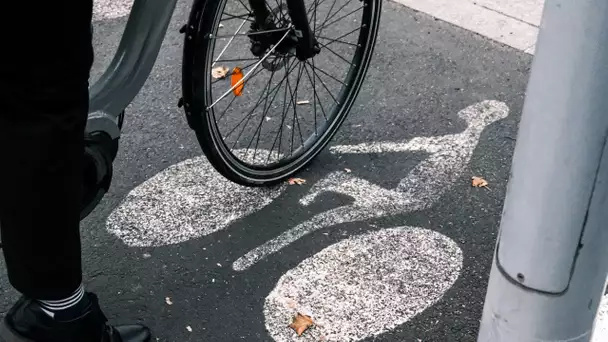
x,y
203,21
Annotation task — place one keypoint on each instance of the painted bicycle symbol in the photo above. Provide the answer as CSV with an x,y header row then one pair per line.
x,y
359,287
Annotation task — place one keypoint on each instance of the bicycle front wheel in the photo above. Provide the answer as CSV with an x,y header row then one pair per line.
x,y
260,113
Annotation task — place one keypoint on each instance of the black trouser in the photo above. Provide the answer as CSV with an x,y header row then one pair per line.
x,y
43,108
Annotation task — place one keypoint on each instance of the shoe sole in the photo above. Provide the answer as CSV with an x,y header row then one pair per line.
x,y
7,334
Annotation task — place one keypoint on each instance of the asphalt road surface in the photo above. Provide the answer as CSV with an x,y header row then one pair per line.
x,y
386,241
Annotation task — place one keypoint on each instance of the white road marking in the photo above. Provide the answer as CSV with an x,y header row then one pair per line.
x,y
365,285
600,333
111,9
186,201
514,23
419,190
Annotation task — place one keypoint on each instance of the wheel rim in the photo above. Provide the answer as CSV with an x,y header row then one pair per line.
x,y
331,89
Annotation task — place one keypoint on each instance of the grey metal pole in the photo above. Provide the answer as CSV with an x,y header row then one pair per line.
x,y
551,259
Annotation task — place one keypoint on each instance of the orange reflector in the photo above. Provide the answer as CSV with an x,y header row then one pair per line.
x,y
237,78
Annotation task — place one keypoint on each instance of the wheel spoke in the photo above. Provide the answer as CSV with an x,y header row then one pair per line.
x,y
294,98
246,7
314,98
327,16
232,71
253,33
234,97
259,127
228,44
238,60
283,116
297,119
240,82
348,33
264,118
335,13
324,85
259,107
292,102
342,17
337,40
280,7
279,135
336,54
246,16
313,81
314,18
226,109
330,76
251,111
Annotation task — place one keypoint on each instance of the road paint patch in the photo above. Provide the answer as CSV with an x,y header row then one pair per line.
x,y
422,187
600,333
186,201
111,9
365,285
516,26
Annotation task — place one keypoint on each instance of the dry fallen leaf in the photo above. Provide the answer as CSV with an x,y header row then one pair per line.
x,y
168,301
479,182
219,72
303,102
221,25
189,328
296,181
301,323
348,170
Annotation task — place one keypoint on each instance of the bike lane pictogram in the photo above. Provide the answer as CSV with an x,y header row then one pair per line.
x,y
396,248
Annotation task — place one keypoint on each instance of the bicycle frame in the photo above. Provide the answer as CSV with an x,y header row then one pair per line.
x,y
131,65
137,52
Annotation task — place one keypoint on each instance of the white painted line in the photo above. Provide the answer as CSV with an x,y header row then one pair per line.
x,y
512,27
422,187
111,9
186,201
600,333
364,286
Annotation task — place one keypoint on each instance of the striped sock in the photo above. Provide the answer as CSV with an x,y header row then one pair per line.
x,y
66,308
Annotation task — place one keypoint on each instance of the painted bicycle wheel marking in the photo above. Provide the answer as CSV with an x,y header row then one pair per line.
x,y
111,9
422,187
186,201
365,285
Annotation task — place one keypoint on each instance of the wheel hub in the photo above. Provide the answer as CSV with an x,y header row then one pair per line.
x,y
262,42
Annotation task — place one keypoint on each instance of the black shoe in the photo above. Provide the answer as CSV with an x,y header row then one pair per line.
x,y
26,322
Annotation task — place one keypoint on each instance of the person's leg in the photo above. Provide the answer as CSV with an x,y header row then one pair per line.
x,y
43,111
41,148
